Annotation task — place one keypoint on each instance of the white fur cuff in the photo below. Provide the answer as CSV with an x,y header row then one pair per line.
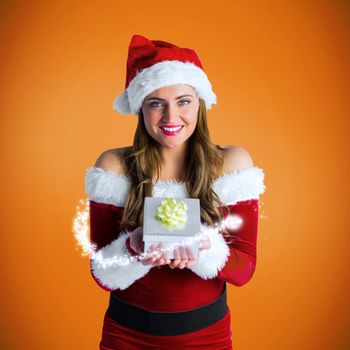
x,y
211,260
114,266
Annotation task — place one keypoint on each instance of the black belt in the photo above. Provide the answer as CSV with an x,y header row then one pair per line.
x,y
167,323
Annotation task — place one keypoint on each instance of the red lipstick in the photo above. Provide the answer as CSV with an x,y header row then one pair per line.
x,y
172,130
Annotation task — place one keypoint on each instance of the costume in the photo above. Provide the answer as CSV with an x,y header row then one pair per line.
x,y
162,288
161,292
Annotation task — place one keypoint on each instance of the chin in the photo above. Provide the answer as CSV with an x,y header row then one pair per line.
x,y
172,145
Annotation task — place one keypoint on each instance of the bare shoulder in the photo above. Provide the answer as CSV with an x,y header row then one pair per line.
x,y
236,158
112,159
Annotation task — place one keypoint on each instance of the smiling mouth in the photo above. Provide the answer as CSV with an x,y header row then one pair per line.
x,y
177,128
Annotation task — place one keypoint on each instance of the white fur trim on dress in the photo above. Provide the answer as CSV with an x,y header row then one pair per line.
x,y
240,185
211,260
106,186
122,275
161,74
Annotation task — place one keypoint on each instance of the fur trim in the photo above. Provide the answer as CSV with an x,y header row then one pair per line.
x,y
161,74
118,277
106,186
240,185
211,260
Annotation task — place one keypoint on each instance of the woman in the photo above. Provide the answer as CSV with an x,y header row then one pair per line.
x,y
157,302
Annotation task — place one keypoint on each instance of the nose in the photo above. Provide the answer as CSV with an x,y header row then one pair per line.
x,y
171,114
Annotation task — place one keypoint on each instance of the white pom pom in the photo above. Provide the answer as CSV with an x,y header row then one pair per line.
x,y
122,104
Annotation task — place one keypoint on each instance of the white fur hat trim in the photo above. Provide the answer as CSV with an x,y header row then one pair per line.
x,y
162,74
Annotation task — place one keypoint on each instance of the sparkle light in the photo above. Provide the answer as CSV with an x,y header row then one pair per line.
x,y
81,234
233,222
81,227
261,209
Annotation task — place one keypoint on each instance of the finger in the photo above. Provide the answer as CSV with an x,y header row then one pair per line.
x,y
156,253
153,259
164,254
160,261
177,258
183,253
191,258
189,252
184,258
150,255
166,259
172,263
147,261
159,258
160,251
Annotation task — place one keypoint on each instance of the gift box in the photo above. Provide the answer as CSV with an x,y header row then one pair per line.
x,y
172,221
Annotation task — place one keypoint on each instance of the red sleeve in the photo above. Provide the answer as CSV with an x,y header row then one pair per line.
x,y
104,227
241,263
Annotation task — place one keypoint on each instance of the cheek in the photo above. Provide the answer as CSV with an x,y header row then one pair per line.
x,y
192,120
193,116
150,122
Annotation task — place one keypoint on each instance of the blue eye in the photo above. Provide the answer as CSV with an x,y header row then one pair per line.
x,y
154,104
188,101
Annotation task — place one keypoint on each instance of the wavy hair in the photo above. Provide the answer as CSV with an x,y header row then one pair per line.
x,y
203,161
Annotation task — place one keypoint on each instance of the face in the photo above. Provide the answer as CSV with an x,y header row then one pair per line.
x,y
170,114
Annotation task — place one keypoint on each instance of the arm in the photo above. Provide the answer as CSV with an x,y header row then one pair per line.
x,y
106,209
241,263
111,243
233,262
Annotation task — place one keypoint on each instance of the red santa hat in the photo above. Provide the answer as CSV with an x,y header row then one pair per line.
x,y
152,64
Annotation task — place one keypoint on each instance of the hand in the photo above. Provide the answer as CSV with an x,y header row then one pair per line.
x,y
183,256
156,255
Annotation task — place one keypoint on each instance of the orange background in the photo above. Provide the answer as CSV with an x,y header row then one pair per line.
x,y
279,69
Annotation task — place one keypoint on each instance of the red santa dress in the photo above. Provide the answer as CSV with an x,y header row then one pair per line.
x,y
172,290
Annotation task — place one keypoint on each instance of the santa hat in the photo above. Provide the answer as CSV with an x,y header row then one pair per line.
x,y
153,64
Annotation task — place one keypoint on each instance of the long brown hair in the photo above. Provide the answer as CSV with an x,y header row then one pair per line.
x,y
204,164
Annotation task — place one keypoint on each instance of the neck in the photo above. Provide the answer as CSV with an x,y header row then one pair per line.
x,y
173,162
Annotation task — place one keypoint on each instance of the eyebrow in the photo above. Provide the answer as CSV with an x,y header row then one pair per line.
x,y
161,99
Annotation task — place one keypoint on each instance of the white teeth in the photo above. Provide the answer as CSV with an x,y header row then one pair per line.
x,y
171,129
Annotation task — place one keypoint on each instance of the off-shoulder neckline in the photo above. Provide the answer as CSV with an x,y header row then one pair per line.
x,y
106,186
175,181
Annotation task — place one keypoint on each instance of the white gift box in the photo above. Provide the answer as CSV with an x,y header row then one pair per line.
x,y
155,231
